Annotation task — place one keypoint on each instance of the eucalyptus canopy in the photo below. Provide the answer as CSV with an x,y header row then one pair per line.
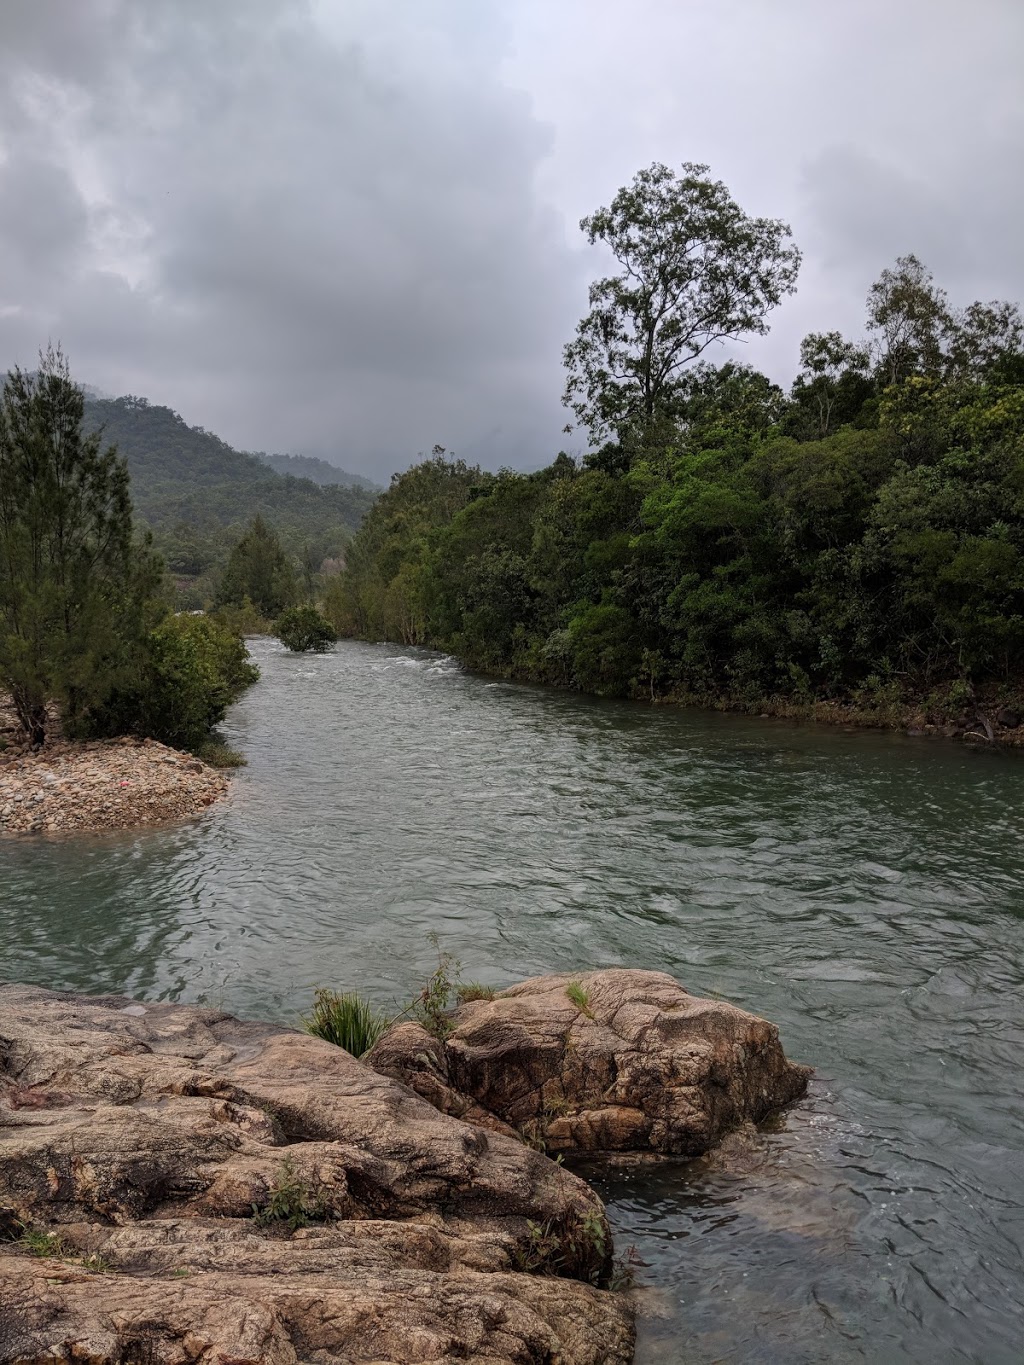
x,y
695,269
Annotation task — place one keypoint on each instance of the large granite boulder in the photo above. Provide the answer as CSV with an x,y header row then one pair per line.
x,y
614,1061
137,1141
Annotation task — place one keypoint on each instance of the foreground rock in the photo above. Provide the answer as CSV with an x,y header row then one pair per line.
x,y
116,784
609,1061
137,1140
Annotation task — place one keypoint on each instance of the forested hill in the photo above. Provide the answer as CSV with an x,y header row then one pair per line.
x,y
186,476
319,471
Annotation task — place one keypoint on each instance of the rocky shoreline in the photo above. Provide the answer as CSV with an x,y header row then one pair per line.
x,y
183,1188
102,785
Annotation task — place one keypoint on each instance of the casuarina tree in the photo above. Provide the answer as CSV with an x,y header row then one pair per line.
x,y
74,585
259,570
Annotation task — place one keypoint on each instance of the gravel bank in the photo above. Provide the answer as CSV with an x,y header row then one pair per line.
x,y
110,784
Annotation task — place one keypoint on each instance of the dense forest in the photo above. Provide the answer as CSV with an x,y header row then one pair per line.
x,y
196,493
857,538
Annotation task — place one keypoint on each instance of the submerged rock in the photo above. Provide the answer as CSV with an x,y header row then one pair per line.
x,y
611,1061
137,1141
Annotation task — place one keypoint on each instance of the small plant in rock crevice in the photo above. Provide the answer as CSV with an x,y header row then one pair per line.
x,y
625,1270
579,997
291,1203
433,1005
42,1243
553,1250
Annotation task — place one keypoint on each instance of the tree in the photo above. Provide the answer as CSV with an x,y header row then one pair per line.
x,y
260,570
916,332
833,383
695,269
74,585
303,630
908,316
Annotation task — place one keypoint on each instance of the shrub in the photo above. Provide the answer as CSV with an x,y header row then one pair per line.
x,y
303,629
347,1020
432,1007
243,619
291,1204
194,669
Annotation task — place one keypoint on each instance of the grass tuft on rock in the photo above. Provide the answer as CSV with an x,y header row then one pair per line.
x,y
579,997
474,990
345,1019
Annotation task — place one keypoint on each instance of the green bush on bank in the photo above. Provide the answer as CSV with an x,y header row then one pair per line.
x,y
194,669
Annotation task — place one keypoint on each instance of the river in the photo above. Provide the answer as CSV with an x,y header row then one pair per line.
x,y
865,892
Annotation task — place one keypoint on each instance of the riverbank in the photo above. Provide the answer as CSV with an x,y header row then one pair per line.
x,y
987,720
989,715
102,785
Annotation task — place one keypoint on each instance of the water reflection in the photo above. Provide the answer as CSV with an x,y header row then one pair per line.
x,y
864,891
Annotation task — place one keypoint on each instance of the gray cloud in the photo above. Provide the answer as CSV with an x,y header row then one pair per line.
x,y
350,228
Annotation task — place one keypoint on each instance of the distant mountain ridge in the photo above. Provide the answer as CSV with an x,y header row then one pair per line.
x,y
184,475
319,471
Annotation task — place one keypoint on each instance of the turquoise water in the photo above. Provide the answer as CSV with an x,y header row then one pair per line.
x,y
863,891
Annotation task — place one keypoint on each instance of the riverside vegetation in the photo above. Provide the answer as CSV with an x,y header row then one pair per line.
x,y
851,547
89,646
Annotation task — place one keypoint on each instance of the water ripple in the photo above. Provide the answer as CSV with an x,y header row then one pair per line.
x,y
863,891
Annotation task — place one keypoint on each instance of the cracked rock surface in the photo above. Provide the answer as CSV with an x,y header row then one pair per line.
x,y
613,1061
136,1139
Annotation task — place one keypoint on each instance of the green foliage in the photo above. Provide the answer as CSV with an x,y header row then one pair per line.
x,y
76,589
382,594
317,471
194,669
219,755
858,540
347,1020
433,1006
258,571
39,1242
579,1244
303,629
187,479
291,1204
242,618
579,997
695,269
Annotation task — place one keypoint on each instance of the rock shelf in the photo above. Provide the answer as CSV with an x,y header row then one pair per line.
x,y
183,1188
103,785
136,1140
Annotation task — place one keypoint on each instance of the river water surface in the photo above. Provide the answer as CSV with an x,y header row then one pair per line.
x,y
865,892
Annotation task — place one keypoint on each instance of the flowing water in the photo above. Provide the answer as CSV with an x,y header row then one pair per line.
x,y
865,892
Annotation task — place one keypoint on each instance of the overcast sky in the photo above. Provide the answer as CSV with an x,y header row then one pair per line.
x,y
350,227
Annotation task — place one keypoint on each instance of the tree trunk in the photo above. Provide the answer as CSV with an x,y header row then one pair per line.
x,y
31,715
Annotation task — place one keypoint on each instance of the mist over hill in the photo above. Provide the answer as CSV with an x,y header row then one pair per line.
x,y
319,471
